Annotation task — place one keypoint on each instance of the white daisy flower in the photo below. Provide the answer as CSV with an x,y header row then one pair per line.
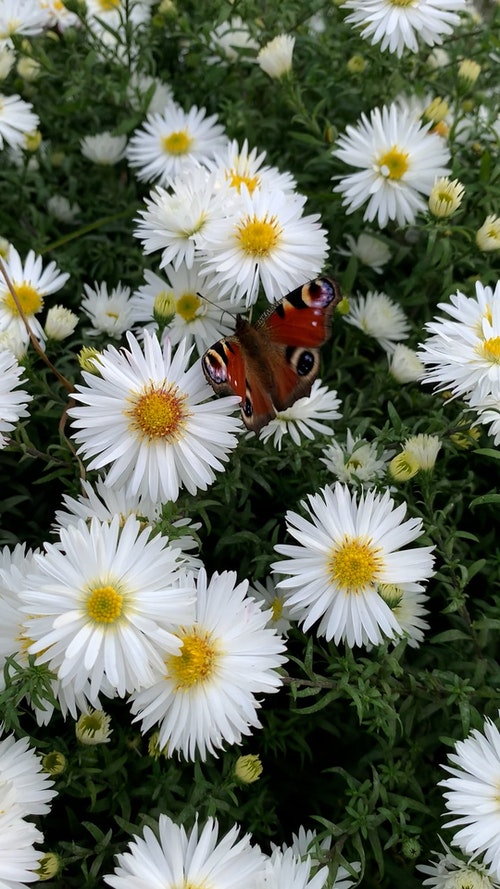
x,y
487,407
104,17
305,417
345,553
174,221
445,197
265,239
93,728
17,120
102,605
194,858
7,59
237,166
59,323
232,41
395,25
149,419
110,312
488,236
32,283
405,365
357,461
13,401
20,765
198,314
472,795
60,16
286,870
451,872
25,18
423,449
406,601
273,600
369,249
397,161
173,142
62,209
142,86
207,695
377,315
104,149
275,58
463,351
19,860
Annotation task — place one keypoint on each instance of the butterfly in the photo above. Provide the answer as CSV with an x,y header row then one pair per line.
x,y
274,362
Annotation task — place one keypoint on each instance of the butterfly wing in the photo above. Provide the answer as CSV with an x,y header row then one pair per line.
x,y
272,364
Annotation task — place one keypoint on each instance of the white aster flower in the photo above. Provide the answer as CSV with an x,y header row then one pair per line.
x,y
149,419
110,312
237,166
13,401
104,149
232,41
60,16
305,843
143,87
451,872
286,870
19,860
102,605
357,462
445,197
462,353
377,315
173,142
7,59
59,323
207,695
472,795
345,553
406,601
369,249
193,858
274,602
264,239
405,365
488,236
31,283
423,449
275,58
395,25
196,312
17,120
397,161
487,407
104,17
20,766
174,220
93,728
24,18
62,209
309,416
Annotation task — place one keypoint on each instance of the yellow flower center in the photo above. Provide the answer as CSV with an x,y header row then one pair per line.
x,y
195,663
258,237
104,605
393,164
491,349
403,4
109,5
187,306
30,300
355,564
236,180
177,143
160,413
277,608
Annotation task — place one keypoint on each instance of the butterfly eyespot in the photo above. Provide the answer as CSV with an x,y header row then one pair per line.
x,y
247,407
305,363
214,367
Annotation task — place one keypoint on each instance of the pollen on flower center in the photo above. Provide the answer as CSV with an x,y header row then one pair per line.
x,y
104,605
404,4
194,664
259,237
393,164
177,143
31,301
109,5
160,413
491,349
187,306
236,180
355,564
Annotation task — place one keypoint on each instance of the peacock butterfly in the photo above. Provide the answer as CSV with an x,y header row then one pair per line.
x,y
272,363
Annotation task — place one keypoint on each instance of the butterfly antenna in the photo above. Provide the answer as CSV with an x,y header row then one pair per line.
x,y
216,305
